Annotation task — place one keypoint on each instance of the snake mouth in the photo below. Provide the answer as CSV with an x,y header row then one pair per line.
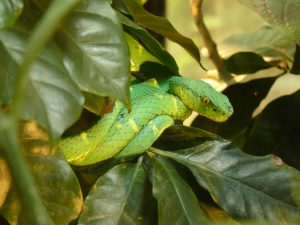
x,y
219,117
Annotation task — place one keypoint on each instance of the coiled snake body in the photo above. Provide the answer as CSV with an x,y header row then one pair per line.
x,y
155,107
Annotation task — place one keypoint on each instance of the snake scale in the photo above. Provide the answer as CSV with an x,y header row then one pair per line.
x,y
156,104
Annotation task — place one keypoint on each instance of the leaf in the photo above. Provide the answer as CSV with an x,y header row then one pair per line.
x,y
276,130
266,42
218,215
296,64
97,104
55,180
9,12
138,54
245,63
150,43
118,197
161,26
283,15
5,180
52,98
98,55
247,187
176,200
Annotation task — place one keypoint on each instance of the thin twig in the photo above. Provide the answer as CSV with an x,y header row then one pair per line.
x,y
213,54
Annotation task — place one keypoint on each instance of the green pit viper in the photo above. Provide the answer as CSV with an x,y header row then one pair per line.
x,y
156,104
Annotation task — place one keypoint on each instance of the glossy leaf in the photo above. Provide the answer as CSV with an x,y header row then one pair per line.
x,y
98,55
266,41
245,63
276,130
150,43
176,200
247,187
118,197
52,98
9,12
55,180
161,26
283,14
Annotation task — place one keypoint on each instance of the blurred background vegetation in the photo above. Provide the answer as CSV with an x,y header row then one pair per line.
x,y
222,17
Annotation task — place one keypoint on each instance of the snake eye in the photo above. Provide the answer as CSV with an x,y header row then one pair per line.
x,y
206,100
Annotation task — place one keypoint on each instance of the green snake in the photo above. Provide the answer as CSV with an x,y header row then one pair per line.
x,y
156,104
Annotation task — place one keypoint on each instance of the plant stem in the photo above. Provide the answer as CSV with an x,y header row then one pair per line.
x,y
9,122
213,54
10,147
159,152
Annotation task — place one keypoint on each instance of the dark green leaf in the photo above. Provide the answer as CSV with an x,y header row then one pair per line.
x,y
52,98
276,130
283,14
9,12
176,200
245,62
98,55
150,43
118,197
296,64
180,137
266,42
245,98
247,187
55,180
161,26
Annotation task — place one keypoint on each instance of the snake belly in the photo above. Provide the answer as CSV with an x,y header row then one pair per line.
x,y
122,133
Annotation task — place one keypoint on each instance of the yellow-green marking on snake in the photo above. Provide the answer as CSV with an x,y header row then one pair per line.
x,y
155,106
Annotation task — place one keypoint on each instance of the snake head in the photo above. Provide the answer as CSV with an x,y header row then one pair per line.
x,y
202,98
215,107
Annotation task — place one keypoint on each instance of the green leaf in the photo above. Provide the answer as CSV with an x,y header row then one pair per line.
x,y
55,180
98,55
138,54
9,12
161,26
176,200
150,43
118,197
266,42
276,130
52,97
245,63
247,187
283,14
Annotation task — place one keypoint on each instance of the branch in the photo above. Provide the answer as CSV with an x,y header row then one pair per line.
x,y
209,43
